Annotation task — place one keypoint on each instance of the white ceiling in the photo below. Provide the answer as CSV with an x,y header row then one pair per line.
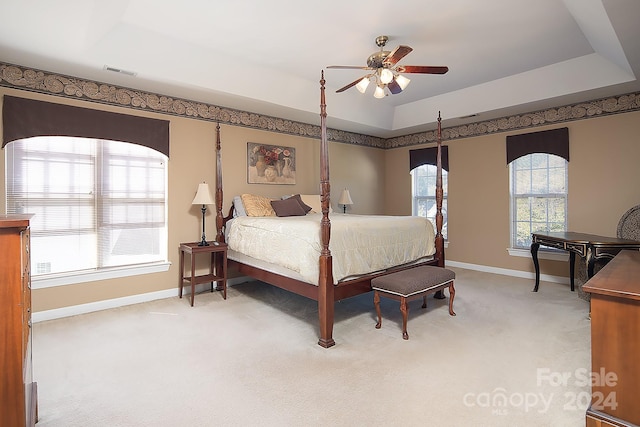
x,y
504,56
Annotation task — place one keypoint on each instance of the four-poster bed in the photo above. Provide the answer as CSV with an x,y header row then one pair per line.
x,y
326,291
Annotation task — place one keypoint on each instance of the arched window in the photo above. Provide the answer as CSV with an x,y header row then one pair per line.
x,y
538,170
96,183
423,189
97,204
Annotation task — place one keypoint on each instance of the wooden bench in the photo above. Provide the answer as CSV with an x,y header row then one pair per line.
x,y
407,285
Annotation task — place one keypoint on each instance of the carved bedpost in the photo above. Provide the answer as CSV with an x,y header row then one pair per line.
x,y
325,282
439,241
219,216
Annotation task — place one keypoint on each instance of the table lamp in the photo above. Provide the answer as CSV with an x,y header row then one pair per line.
x,y
203,197
345,199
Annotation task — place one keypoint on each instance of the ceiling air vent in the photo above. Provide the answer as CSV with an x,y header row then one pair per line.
x,y
118,70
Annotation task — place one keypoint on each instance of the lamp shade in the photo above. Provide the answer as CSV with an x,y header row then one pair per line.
x,y
203,195
386,75
362,84
345,198
402,81
379,92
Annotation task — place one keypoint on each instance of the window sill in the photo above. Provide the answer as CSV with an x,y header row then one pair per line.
x,y
92,276
542,254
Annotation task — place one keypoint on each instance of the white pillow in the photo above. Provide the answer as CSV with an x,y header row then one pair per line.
x,y
238,207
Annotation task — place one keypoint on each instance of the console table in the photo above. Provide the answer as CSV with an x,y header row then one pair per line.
x,y
588,246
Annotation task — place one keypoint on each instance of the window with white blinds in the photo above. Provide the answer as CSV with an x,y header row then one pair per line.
x,y
423,168
539,183
97,204
423,189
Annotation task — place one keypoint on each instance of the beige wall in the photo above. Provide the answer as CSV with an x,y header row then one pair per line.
x,y
350,166
603,185
362,171
192,160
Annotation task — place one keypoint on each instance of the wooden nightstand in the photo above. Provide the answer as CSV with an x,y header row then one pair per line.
x,y
217,267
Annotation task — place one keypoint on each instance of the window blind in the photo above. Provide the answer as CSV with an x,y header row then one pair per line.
x,y
97,204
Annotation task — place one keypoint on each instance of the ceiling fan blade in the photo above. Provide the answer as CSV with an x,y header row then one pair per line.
x,y
394,87
422,69
350,85
350,67
397,54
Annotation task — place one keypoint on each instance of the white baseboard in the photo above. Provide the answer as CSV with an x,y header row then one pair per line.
x,y
508,272
41,316
57,313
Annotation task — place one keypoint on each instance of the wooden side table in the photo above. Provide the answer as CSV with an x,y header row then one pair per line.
x,y
217,267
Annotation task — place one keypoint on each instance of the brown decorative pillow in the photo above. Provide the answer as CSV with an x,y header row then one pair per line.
x,y
288,207
257,205
306,208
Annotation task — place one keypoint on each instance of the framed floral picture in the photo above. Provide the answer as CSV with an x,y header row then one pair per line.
x,y
270,164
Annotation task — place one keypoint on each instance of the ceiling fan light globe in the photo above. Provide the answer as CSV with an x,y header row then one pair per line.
x,y
379,93
402,81
386,75
362,85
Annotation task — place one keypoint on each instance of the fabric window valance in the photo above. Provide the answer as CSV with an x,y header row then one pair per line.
x,y
25,118
554,141
427,156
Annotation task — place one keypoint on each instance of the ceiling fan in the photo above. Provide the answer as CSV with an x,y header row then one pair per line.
x,y
386,71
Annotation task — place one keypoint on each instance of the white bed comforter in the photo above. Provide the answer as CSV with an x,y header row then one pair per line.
x,y
359,244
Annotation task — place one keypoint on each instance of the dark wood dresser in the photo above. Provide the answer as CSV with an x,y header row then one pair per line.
x,y
615,342
18,392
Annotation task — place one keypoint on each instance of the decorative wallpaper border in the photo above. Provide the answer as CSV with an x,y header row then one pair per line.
x,y
24,78
580,111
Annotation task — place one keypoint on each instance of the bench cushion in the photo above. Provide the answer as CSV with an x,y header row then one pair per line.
x,y
413,281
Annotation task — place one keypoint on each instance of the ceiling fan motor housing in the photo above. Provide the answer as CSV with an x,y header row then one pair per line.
x,y
376,60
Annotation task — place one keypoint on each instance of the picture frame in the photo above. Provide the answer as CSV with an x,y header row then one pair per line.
x,y
270,164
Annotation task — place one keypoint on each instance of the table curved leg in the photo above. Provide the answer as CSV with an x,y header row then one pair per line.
x,y
534,255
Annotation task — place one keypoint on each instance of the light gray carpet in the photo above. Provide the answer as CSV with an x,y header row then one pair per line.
x,y
252,360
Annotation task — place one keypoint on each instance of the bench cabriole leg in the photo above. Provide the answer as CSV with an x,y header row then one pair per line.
x,y
376,302
405,312
452,295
